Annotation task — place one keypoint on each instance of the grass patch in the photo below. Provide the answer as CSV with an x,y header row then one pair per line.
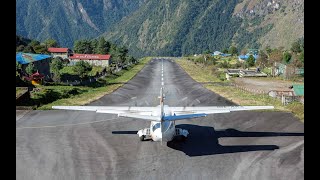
x,y
90,94
198,72
20,90
95,70
202,73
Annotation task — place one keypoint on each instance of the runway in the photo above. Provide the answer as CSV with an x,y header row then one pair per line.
x,y
60,144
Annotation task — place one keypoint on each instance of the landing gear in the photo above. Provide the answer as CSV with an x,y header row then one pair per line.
x,y
142,137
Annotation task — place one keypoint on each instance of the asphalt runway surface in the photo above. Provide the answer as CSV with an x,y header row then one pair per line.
x,y
61,144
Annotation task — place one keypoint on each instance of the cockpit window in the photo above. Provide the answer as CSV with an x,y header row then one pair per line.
x,y
156,126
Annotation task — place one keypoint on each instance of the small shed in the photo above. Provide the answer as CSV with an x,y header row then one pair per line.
x,y
298,89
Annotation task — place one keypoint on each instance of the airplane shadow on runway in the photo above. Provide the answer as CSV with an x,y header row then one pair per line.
x,y
124,132
203,140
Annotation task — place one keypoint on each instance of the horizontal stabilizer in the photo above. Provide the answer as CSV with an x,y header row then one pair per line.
x,y
181,117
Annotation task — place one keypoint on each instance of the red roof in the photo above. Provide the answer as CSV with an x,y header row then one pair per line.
x,y
58,50
90,56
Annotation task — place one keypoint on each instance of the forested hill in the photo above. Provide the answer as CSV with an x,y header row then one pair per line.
x,y
175,28
166,27
70,20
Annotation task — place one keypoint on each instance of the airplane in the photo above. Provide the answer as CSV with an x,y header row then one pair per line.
x,y
162,117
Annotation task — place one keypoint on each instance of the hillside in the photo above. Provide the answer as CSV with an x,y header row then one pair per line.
x,y
167,27
69,20
175,28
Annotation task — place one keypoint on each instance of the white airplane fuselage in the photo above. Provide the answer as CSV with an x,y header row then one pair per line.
x,y
168,127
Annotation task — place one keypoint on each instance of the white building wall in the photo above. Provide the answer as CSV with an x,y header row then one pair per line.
x,y
103,63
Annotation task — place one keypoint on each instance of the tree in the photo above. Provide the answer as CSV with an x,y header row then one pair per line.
x,y
34,43
244,51
18,68
40,49
28,49
233,50
118,54
296,62
82,68
287,57
20,48
301,57
262,59
206,52
130,60
50,43
268,50
83,47
225,50
30,69
103,46
94,46
275,56
295,47
56,65
250,61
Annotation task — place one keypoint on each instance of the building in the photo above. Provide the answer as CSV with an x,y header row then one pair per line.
x,y
225,55
93,59
298,89
60,52
286,70
243,58
40,61
216,53
243,73
253,51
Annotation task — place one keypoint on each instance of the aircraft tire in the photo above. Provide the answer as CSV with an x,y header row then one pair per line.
x,y
142,137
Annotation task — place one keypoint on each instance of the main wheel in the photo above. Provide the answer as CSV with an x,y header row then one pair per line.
x,y
142,137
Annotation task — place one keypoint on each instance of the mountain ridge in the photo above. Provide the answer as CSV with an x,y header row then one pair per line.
x,y
170,28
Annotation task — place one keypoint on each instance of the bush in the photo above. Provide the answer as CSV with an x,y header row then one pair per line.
x,y
224,64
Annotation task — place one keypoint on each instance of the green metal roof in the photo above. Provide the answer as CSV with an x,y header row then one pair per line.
x,y
298,89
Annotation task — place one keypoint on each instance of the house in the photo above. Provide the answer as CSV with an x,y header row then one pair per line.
x,y
225,55
286,70
252,73
232,73
93,59
243,73
60,52
253,51
40,61
243,58
216,53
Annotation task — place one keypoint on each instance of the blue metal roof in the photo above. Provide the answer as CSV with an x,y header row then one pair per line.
x,y
245,57
26,58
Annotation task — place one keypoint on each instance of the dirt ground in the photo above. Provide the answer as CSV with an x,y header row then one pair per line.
x,y
265,84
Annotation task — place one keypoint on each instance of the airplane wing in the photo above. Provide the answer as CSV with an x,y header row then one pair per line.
x,y
214,109
123,111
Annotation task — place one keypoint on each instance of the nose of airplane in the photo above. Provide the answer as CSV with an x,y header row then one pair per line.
x,y
157,135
